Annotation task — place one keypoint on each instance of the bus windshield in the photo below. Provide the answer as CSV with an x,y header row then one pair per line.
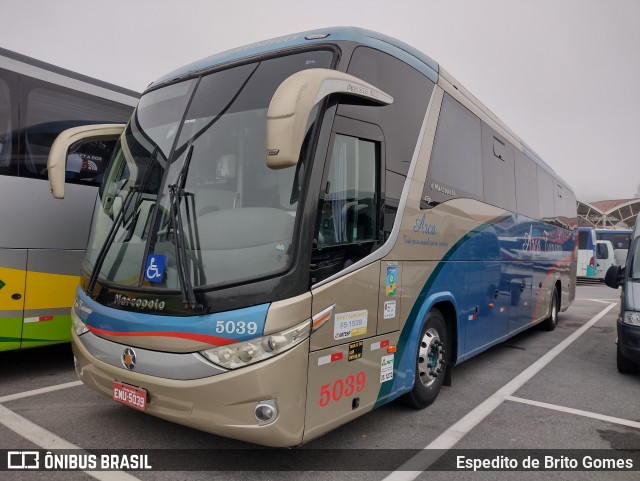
x,y
203,138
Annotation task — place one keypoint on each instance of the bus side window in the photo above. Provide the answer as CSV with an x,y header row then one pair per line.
x,y
7,116
455,169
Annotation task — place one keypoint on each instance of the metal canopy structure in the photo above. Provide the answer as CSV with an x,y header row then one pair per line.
x,y
621,214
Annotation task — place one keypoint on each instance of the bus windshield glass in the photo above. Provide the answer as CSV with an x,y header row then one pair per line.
x,y
198,147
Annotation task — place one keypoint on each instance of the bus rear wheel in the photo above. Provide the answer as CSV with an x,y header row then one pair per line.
x,y
431,362
550,323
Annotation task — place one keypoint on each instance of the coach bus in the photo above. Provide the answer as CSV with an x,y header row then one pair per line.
x,y
42,242
292,233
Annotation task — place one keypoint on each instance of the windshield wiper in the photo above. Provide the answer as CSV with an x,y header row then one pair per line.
x,y
111,236
176,193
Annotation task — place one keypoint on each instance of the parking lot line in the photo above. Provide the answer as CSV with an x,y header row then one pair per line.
x,y
578,412
455,433
47,440
35,392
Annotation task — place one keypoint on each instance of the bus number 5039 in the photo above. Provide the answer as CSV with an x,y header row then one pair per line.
x,y
334,391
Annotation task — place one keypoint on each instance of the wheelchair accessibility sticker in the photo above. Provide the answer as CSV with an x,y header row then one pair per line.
x,y
154,270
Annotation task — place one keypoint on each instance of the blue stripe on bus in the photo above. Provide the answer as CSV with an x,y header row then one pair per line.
x,y
445,284
231,326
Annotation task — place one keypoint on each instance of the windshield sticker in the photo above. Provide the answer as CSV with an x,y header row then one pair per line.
x,y
392,280
386,368
350,324
154,270
389,309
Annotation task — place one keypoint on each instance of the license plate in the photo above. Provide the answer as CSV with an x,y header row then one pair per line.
x,y
129,395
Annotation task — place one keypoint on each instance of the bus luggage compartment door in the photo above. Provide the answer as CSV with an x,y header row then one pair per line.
x,y
13,264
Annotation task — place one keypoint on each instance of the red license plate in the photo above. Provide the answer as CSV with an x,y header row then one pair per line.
x,y
129,395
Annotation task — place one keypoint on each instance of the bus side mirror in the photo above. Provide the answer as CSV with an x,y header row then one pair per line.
x,y
57,161
614,276
293,101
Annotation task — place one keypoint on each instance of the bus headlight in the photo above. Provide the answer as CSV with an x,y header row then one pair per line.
x,y
79,327
241,354
631,317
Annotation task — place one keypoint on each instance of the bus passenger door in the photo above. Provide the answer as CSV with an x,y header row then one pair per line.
x,y
346,358
13,265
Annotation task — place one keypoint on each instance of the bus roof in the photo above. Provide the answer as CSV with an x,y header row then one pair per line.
x,y
401,50
408,54
17,62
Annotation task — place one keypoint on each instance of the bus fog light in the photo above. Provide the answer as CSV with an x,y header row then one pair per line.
x,y
265,412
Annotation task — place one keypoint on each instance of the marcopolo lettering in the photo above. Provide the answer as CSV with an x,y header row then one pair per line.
x,y
152,304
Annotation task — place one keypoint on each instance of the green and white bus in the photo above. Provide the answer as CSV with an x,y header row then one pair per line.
x,y
295,232
42,242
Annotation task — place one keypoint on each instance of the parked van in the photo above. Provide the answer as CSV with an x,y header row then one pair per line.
x,y
605,258
628,357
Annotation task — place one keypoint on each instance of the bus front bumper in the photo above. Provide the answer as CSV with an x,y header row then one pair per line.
x,y
222,404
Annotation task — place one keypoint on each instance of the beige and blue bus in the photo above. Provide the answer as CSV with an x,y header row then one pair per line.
x,y
292,233
42,242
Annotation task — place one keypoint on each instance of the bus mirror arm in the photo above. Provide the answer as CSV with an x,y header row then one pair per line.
x,y
293,101
57,160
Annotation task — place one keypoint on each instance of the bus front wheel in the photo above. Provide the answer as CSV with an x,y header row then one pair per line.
x,y
431,361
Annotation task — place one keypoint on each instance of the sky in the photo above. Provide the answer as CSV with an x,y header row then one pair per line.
x,y
564,75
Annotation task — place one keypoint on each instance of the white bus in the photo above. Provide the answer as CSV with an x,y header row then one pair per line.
x,y
587,255
42,242
295,232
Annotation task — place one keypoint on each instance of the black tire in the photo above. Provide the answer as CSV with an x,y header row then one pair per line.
x,y
625,366
431,361
550,323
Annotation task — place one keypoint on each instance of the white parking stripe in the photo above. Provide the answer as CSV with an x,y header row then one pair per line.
x,y
578,412
47,440
455,433
35,392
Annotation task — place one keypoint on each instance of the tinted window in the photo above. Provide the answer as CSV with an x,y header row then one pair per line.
x,y
6,126
455,169
546,194
348,213
498,165
402,120
49,111
526,185
570,207
601,251
634,272
45,111
583,240
619,240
